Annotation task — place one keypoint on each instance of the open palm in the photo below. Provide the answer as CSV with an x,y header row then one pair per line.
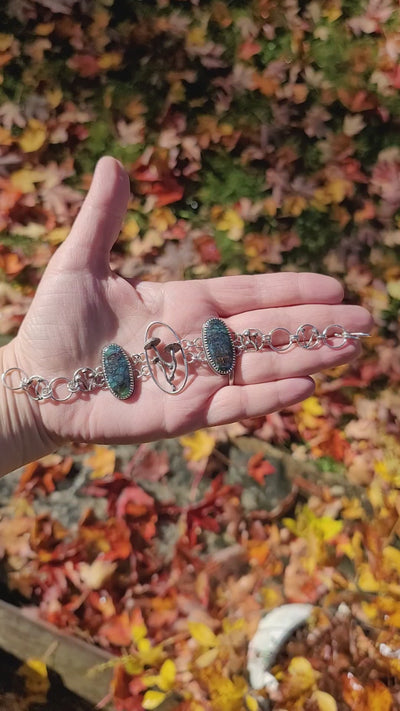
x,y
81,305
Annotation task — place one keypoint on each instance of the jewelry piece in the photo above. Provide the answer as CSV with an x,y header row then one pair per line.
x,y
217,348
168,367
118,371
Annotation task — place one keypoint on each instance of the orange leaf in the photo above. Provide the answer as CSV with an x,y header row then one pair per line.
x,y
11,264
379,697
353,692
248,49
266,85
258,468
118,630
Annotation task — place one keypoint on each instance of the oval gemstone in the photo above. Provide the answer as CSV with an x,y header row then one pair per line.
x,y
118,371
218,346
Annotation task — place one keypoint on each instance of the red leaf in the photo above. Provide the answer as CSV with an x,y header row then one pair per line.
x,y
148,464
85,65
208,250
133,501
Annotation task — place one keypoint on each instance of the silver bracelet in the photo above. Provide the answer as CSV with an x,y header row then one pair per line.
x,y
168,365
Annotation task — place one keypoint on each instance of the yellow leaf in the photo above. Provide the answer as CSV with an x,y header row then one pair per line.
x,y
270,598
195,37
5,42
302,675
393,288
203,634
54,97
34,672
162,219
110,60
353,509
139,631
38,666
131,228
25,179
232,223
307,525
58,235
327,528
152,699
338,189
198,445
165,679
230,626
325,701
370,610
366,580
167,675
270,206
251,703
320,199
208,658
352,548
33,136
294,205
33,230
102,462
391,558
149,655
393,619
151,680
133,666
312,406
332,13
44,28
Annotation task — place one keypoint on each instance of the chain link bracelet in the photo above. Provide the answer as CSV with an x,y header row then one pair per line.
x,y
217,349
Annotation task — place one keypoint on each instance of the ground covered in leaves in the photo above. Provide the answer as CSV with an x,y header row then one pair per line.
x,y
259,136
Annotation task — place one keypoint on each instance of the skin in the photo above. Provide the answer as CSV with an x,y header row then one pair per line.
x,y
81,305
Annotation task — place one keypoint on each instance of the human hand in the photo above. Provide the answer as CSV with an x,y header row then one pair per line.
x,y
81,305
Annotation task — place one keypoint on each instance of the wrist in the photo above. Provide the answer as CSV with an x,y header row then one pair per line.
x,y
23,436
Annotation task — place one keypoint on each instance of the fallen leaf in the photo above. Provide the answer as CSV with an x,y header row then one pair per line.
x,y
198,446
258,468
102,462
33,136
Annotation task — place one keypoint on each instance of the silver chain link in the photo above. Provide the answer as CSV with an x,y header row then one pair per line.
x,y
194,350
140,367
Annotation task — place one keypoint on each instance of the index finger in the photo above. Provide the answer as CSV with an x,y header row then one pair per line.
x,y
234,294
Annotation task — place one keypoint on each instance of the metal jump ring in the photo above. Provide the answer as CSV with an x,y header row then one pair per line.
x,y
342,334
285,346
16,387
53,395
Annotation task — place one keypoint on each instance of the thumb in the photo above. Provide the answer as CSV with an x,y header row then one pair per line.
x,y
99,221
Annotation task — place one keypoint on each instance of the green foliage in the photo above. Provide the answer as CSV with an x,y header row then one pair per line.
x,y
225,181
